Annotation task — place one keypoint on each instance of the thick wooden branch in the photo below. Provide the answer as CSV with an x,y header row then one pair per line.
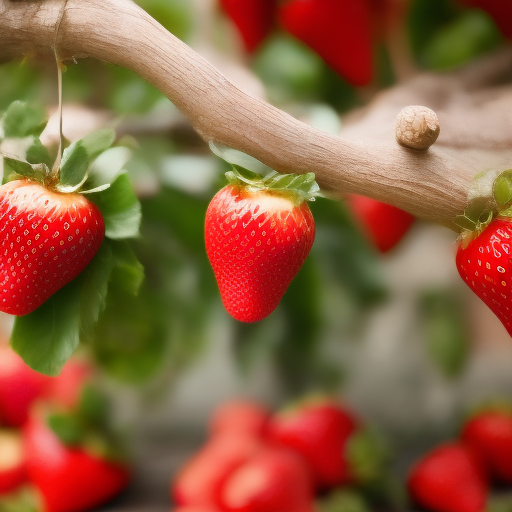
x,y
475,117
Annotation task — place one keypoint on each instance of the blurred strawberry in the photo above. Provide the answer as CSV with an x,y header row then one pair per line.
x,y
73,459
65,389
12,462
274,480
449,479
338,30
319,430
200,481
196,509
239,416
489,433
252,18
20,388
499,10
384,225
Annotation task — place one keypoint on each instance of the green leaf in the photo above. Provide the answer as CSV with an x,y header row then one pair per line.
x,y
74,165
93,283
238,158
96,142
343,500
37,153
47,337
107,167
120,209
469,36
22,119
93,406
502,189
128,273
20,168
68,428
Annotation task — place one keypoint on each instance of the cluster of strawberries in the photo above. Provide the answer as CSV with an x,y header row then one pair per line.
x,y
255,461
45,462
456,476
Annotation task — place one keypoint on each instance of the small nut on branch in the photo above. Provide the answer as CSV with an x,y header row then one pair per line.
x,y
417,127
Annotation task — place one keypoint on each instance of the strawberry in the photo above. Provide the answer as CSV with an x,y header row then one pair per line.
x,y
48,238
383,224
69,479
199,482
239,416
196,509
319,430
258,233
338,30
252,18
484,265
449,479
489,434
20,388
274,480
12,462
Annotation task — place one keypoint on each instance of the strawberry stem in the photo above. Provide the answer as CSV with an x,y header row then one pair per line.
x,y
58,159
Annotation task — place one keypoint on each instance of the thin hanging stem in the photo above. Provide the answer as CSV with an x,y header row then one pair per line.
x,y
58,159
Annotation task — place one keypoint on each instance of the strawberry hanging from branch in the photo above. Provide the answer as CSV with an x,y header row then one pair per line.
x,y
258,232
484,254
62,227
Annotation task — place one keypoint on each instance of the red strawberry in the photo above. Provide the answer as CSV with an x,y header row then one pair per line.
x,y
12,462
274,480
20,387
257,238
199,482
385,225
489,433
47,239
239,416
196,509
253,19
338,30
499,10
449,479
319,430
69,479
485,267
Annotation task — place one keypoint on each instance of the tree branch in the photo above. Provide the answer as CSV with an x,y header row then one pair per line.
x,y
475,115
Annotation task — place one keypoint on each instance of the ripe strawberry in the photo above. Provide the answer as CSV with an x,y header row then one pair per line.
x,y
12,462
449,479
48,238
274,480
199,482
69,479
319,430
196,509
20,388
489,434
485,267
253,19
257,238
338,30
384,225
239,416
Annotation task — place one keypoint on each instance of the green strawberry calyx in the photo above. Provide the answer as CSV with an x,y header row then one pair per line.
x,y
252,175
490,197
296,187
